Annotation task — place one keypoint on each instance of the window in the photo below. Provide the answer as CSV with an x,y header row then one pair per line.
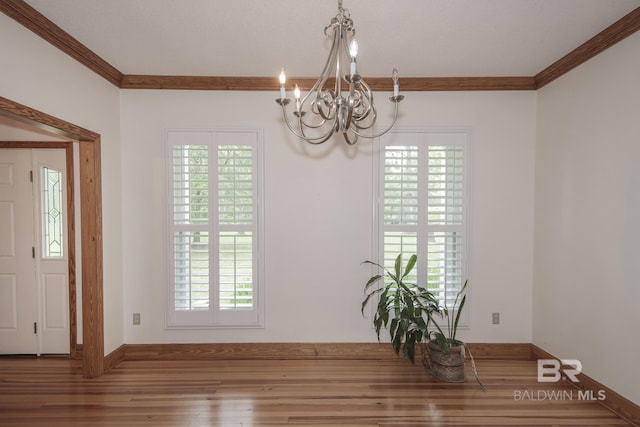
x,y
423,206
52,214
214,228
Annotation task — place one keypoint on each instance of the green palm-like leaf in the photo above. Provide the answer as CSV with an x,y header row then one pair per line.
x,y
409,350
373,263
396,340
394,326
377,323
368,297
398,266
410,265
371,281
455,323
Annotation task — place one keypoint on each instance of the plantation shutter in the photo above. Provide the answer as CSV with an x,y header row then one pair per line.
x,y
190,238
214,228
236,213
445,219
423,206
400,202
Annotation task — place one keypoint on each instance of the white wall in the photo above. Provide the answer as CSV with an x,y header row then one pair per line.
x,y
318,214
586,272
36,74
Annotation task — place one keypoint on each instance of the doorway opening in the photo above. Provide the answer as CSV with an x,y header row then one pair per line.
x,y
90,199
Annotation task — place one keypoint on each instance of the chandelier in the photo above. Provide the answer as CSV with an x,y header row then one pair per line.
x,y
340,100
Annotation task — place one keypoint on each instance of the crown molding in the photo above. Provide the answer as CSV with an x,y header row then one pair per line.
x,y
421,84
409,84
49,31
33,20
619,30
143,81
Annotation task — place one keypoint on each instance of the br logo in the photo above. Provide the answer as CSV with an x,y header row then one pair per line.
x,y
552,370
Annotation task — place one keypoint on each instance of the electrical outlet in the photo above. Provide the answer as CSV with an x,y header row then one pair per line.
x,y
136,318
495,318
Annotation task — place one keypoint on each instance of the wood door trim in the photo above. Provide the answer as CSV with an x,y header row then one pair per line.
x,y
92,258
91,226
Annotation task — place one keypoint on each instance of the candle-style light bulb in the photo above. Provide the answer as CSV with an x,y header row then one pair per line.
x,y
283,80
296,94
353,51
396,85
353,48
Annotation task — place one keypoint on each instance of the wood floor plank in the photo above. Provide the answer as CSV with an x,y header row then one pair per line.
x,y
366,393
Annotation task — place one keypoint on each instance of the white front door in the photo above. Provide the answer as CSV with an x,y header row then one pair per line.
x,y
18,315
34,302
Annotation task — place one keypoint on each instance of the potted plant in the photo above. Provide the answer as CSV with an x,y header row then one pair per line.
x,y
407,310
446,353
404,308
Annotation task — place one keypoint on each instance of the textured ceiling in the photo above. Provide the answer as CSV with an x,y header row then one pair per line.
x,y
422,38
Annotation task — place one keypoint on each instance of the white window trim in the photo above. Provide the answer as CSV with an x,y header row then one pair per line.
x,y
378,206
212,319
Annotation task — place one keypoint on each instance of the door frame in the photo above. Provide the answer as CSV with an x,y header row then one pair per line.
x,y
93,364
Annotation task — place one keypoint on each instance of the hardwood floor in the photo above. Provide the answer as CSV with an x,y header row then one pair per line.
x,y
53,392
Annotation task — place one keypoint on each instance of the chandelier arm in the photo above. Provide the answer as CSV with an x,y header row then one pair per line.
x,y
310,140
318,104
370,110
342,49
311,126
349,107
324,75
369,125
367,95
348,140
362,117
395,118
317,141
318,110
318,88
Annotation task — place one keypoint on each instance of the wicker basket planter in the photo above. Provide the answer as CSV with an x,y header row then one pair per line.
x,y
447,367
